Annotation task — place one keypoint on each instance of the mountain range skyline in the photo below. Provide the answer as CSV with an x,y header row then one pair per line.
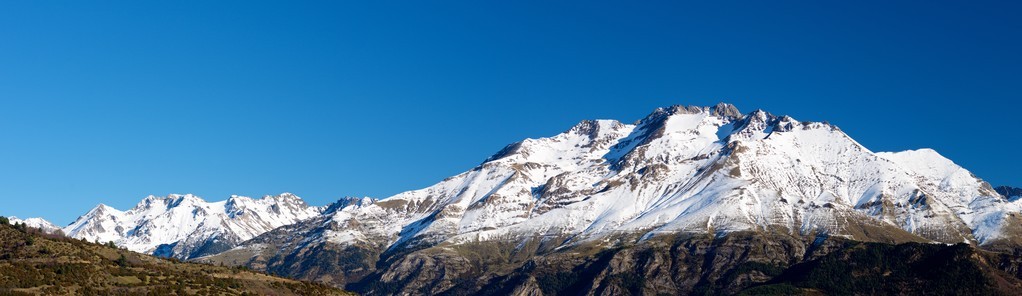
x,y
233,196
713,176
510,148
333,99
187,226
748,193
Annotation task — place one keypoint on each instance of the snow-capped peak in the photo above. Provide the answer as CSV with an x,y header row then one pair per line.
x,y
39,223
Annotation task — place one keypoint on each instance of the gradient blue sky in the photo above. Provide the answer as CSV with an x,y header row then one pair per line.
x,y
111,101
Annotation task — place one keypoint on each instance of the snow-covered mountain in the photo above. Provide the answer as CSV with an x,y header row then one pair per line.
x,y
681,169
40,223
691,169
186,226
680,175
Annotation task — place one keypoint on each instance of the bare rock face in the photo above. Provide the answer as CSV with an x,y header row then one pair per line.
x,y
726,110
699,265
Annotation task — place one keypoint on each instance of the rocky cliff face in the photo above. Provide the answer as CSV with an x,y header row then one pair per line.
x,y
756,263
675,265
605,186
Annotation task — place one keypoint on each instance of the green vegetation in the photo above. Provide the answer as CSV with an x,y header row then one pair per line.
x,y
35,263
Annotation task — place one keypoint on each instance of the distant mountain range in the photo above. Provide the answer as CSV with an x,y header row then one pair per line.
x,y
692,187
39,223
184,226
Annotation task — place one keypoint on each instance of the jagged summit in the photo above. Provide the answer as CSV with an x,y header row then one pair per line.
x,y
726,110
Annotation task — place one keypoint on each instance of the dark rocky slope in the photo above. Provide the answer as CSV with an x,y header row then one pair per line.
x,y
751,263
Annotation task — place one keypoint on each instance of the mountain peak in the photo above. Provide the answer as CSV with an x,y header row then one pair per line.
x,y
287,194
726,110
284,196
185,197
592,128
102,208
39,223
688,109
721,109
345,202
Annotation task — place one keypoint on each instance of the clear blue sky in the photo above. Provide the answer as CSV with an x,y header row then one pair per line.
x,y
111,101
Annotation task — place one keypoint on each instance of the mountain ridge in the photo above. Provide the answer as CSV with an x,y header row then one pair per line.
x,y
185,226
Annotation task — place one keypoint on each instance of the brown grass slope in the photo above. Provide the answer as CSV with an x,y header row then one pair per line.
x,y
34,263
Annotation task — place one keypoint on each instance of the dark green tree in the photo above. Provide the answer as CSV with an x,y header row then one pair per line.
x,y
122,261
